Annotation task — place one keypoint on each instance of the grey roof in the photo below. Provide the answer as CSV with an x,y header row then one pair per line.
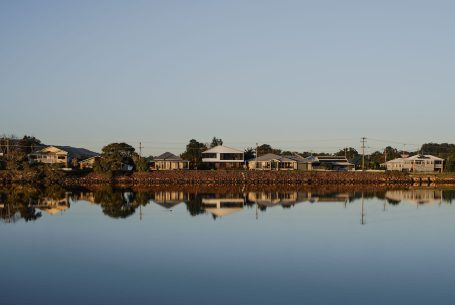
x,y
168,157
73,152
332,158
78,152
270,157
300,159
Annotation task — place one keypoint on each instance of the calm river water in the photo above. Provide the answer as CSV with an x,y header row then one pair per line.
x,y
242,247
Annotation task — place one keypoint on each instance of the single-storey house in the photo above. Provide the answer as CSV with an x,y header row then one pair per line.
x,y
223,157
418,164
337,163
59,155
89,162
169,161
276,162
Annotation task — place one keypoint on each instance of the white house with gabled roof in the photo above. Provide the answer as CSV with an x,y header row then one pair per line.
x,y
416,164
223,157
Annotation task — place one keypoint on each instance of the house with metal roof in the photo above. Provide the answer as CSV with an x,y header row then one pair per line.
x,y
276,162
337,163
416,164
223,157
59,155
169,161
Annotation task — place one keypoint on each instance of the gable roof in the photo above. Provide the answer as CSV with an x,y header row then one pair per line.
x,y
424,157
412,158
270,157
72,151
168,157
300,159
223,149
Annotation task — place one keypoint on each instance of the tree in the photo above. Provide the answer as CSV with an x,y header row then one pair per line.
x,y
16,150
250,153
350,153
216,142
267,149
392,153
449,164
114,156
140,163
194,151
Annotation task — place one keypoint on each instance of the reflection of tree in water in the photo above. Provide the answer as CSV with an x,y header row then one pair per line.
x,y
448,195
141,198
19,202
194,205
54,192
115,204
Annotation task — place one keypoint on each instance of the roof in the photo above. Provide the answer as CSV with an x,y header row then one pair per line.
x,y
332,158
88,159
223,149
300,159
424,157
415,157
270,157
167,156
72,151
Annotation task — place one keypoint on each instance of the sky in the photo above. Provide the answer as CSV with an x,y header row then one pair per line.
x,y
299,75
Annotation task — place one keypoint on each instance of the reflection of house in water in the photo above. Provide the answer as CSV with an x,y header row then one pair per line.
x,y
223,206
418,196
330,197
53,206
285,199
169,199
85,196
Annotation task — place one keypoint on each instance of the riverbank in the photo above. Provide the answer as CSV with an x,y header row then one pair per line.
x,y
234,178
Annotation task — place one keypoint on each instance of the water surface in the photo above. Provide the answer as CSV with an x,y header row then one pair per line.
x,y
243,247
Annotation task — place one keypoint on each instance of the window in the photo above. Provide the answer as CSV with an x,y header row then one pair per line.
x,y
230,156
209,155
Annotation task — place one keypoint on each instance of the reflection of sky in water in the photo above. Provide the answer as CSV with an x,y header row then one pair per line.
x,y
315,252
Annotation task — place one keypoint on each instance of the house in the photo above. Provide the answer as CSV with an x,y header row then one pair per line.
x,y
59,155
276,162
169,161
89,162
337,163
415,196
305,164
416,164
223,157
219,207
168,200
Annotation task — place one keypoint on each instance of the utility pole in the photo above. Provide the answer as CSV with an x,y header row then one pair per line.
x,y
7,149
256,165
363,140
385,154
362,213
140,149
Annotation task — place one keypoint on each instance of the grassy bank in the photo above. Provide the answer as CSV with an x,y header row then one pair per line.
x,y
230,178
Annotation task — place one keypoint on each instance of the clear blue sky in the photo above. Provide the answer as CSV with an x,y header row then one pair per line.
x,y
300,75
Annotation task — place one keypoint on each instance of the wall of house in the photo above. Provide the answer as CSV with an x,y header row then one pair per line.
x,y
218,158
169,165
